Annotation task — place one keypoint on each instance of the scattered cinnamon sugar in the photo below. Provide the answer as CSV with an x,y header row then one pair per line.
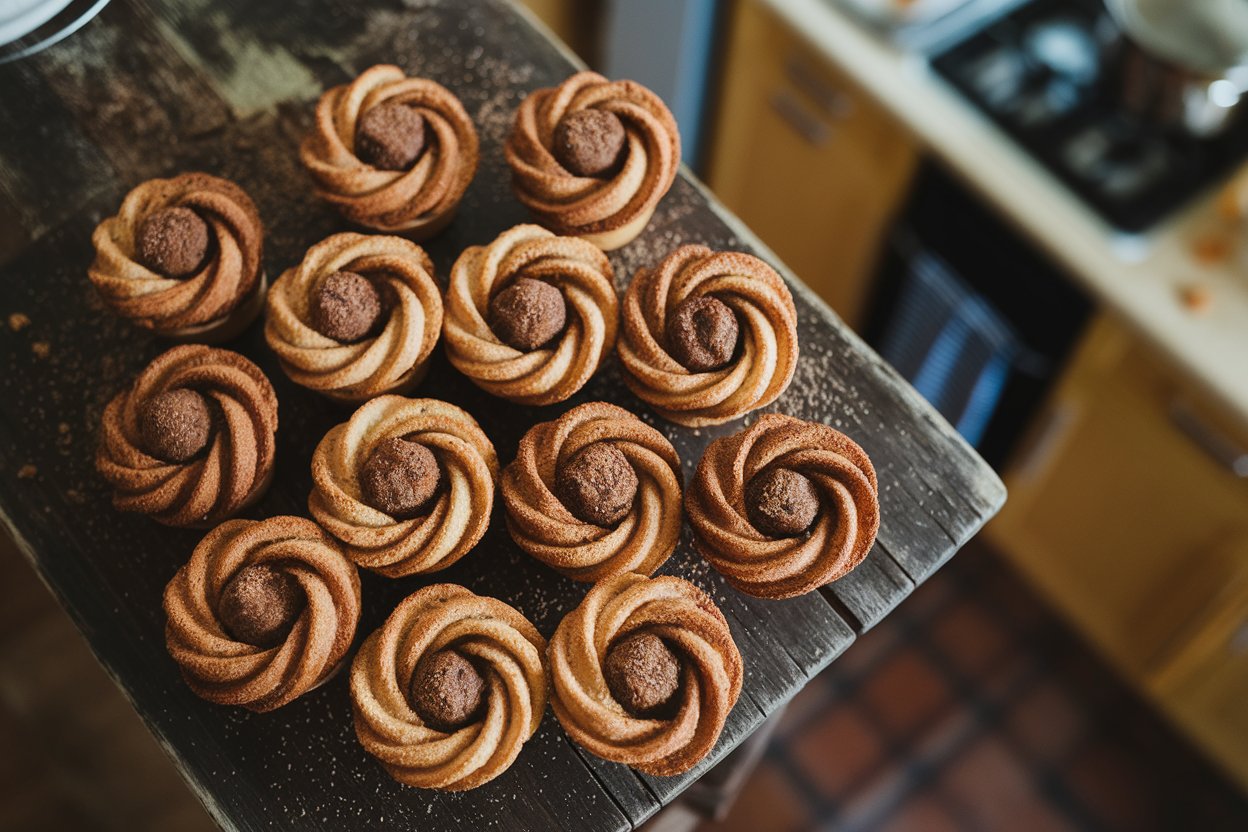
x,y
27,472
1212,249
1196,297
41,349
18,321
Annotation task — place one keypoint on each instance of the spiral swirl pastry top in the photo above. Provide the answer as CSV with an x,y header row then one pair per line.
x,y
227,276
325,609
503,647
550,531
765,356
767,565
452,522
691,627
417,201
610,209
234,464
555,370
392,357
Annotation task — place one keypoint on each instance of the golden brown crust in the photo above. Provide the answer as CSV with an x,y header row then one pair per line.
x,y
540,523
766,357
499,641
784,567
586,206
230,475
691,626
391,361
229,275
551,373
454,522
416,202
230,672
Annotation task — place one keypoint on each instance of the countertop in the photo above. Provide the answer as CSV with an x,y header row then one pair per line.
x,y
1140,278
153,87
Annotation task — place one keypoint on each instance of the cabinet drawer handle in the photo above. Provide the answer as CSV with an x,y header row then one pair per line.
x,y
1217,445
832,101
814,130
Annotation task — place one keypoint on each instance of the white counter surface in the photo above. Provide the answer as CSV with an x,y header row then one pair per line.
x,y
1139,278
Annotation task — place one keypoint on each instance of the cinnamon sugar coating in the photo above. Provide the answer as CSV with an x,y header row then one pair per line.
x,y
756,561
191,304
691,627
763,363
391,357
544,526
416,200
447,528
229,475
612,206
505,649
556,370
224,670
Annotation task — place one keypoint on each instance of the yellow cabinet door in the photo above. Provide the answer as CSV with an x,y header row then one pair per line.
x,y
1203,682
1125,510
810,163
1113,497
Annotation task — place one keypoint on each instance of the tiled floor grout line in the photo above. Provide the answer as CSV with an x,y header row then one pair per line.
x,y
987,663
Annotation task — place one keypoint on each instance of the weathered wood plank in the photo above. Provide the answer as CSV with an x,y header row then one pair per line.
x,y
209,86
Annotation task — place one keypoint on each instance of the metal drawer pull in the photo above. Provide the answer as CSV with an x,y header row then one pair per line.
x,y
1217,445
832,101
813,130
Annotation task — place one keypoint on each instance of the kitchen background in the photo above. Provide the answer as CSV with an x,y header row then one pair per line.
x,y
1037,210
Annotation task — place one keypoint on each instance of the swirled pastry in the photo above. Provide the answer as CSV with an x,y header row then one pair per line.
x,y
182,258
530,317
406,484
591,158
392,153
708,336
357,318
263,612
784,506
192,441
595,493
449,689
644,672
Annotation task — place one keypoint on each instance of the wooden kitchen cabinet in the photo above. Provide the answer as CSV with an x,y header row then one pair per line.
x,y
811,163
1126,511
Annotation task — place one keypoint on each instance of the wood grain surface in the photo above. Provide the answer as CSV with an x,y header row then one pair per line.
x,y
153,88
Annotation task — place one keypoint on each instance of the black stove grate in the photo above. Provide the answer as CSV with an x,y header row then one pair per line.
x,y
1045,72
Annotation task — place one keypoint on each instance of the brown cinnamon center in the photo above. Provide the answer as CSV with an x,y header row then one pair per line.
x,y
446,691
260,604
643,674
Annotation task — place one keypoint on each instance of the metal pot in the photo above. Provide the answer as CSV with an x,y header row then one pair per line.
x,y
1185,62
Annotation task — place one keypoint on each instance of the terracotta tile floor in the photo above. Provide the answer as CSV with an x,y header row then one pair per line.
x,y
974,708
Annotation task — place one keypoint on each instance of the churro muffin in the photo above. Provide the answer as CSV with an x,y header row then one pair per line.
x,y
530,317
406,484
644,672
392,153
591,158
357,318
182,258
708,336
449,689
784,506
263,612
192,441
595,493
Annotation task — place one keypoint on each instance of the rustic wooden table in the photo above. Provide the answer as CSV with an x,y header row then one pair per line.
x,y
153,87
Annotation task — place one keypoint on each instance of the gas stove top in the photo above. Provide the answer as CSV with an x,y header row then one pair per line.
x,y
1045,73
